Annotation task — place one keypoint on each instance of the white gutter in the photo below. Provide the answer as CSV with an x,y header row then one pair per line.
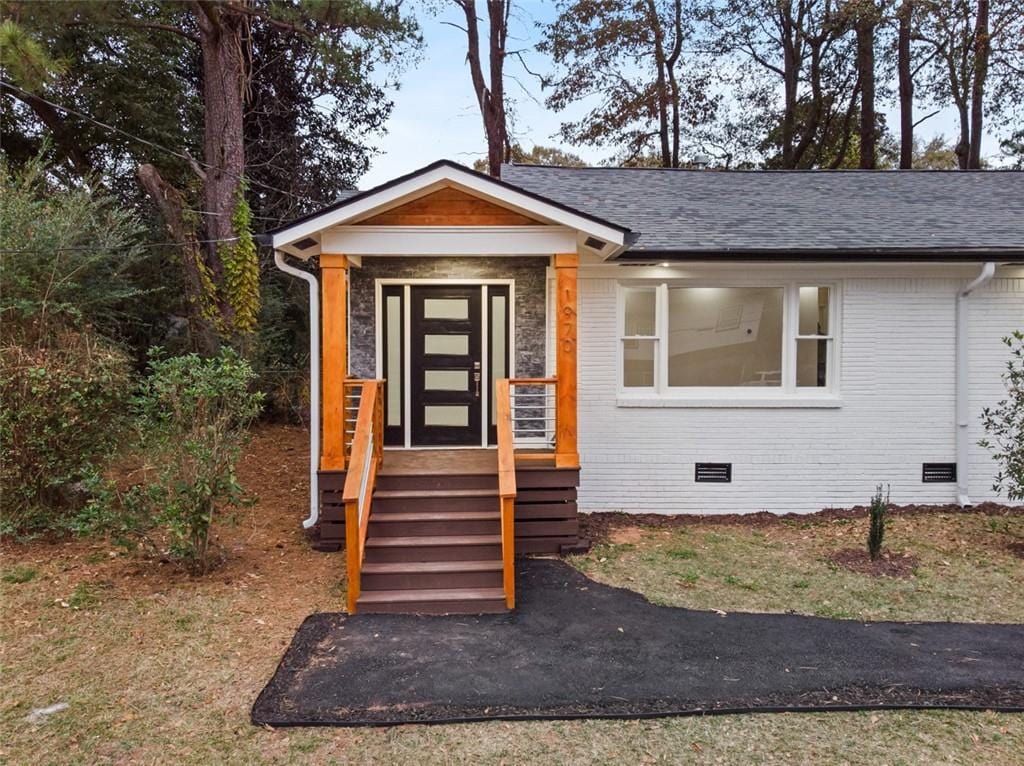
x,y
963,366
314,385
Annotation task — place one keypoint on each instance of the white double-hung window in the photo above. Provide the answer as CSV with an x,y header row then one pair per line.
x,y
685,341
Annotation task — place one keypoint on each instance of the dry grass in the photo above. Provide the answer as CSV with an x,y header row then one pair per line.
x,y
157,667
968,571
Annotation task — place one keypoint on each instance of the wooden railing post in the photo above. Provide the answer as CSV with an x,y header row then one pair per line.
x,y
353,566
508,550
334,358
566,446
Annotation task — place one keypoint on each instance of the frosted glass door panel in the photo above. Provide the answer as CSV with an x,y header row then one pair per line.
x,y
446,345
446,380
451,416
446,308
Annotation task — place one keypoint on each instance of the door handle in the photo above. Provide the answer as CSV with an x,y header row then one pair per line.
x,y
476,379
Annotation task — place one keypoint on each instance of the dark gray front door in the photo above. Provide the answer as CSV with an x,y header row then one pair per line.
x,y
445,375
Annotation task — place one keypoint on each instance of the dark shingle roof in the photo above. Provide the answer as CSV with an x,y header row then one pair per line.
x,y
693,212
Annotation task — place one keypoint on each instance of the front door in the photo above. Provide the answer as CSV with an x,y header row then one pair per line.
x,y
445,375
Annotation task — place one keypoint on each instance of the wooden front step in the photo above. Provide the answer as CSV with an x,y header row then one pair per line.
x,y
423,500
423,523
434,601
433,548
445,575
433,544
445,482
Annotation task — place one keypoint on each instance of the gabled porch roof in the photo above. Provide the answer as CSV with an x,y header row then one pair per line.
x,y
304,237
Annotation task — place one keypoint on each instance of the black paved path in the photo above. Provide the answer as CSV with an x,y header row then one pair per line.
x,y
574,648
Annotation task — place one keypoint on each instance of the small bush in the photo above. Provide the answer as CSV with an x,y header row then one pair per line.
x,y
193,416
1004,424
876,527
62,408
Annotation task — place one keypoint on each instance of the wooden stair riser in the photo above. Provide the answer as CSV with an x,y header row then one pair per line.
x,y
469,526
431,580
402,482
489,606
475,552
384,504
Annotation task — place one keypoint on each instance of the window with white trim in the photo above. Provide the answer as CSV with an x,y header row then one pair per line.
x,y
739,340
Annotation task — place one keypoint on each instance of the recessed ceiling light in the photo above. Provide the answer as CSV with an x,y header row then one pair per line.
x,y
665,264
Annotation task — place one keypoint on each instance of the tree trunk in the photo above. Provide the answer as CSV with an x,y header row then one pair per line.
x,y
963,145
172,205
866,75
673,80
661,84
224,68
490,93
499,149
906,14
981,55
790,79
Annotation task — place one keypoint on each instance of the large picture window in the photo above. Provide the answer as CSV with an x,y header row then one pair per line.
x,y
742,340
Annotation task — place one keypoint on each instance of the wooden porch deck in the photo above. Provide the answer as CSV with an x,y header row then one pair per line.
x,y
454,462
438,462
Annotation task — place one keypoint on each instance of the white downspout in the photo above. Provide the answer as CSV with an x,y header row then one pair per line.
x,y
963,369
314,385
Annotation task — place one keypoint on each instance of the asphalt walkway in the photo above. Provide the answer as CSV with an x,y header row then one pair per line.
x,y
576,648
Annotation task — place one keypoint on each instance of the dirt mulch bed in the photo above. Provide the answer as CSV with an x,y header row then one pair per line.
x,y
253,542
598,527
575,648
887,565
1017,549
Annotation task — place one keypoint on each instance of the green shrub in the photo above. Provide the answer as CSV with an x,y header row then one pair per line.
x,y
68,257
62,409
1004,424
193,415
876,525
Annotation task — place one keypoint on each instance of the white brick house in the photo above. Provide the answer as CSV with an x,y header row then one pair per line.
x,y
890,404
708,342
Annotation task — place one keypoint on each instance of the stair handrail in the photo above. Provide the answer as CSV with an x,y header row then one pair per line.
x,y
506,486
367,453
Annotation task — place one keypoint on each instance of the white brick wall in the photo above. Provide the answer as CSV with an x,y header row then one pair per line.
x,y
897,389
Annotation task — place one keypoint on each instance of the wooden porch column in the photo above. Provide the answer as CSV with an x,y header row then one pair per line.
x,y
566,450
333,358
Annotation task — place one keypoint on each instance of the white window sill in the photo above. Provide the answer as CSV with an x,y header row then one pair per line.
x,y
792,401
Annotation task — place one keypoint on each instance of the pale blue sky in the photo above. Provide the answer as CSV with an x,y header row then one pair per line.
x,y
436,116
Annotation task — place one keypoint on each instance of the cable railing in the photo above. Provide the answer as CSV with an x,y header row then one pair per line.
x,y
527,423
365,454
352,391
534,417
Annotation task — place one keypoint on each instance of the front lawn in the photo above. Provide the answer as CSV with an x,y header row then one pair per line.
x,y
160,667
970,567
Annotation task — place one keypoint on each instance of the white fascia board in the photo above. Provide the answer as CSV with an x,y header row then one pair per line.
x,y
449,240
437,178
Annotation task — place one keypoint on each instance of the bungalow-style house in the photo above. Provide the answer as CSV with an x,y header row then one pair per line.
x,y
488,356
